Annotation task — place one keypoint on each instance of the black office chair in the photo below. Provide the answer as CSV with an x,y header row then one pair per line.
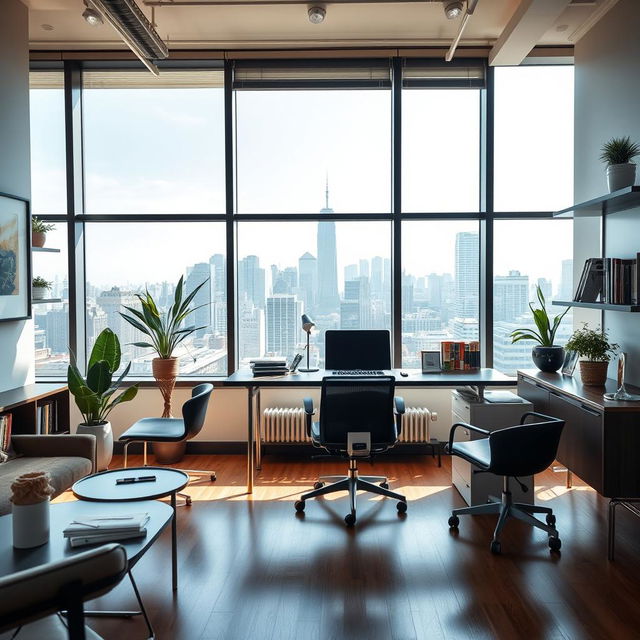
x,y
29,598
182,429
358,406
522,450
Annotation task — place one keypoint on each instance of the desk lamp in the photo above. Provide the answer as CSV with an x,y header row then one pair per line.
x,y
307,325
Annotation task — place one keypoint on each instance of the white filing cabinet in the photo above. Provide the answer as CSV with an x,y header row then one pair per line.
x,y
476,488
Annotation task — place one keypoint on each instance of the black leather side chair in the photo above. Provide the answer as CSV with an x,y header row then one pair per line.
x,y
147,430
522,450
351,404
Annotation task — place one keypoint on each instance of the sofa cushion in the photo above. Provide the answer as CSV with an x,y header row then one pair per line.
x,y
64,471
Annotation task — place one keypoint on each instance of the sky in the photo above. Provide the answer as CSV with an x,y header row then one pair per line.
x,y
161,151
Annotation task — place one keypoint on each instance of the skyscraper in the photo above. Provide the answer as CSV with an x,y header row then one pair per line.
x,y
510,296
328,299
566,281
198,274
308,270
251,284
283,324
466,277
376,277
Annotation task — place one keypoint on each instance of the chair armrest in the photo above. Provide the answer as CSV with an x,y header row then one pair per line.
x,y
78,445
309,411
468,426
398,405
537,415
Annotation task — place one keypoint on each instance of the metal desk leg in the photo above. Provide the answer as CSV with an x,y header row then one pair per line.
x,y
250,439
258,430
612,528
174,552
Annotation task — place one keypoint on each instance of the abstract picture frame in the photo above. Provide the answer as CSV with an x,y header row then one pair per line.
x,y
15,258
430,361
570,361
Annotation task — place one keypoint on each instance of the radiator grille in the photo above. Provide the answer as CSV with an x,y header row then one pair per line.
x,y
288,425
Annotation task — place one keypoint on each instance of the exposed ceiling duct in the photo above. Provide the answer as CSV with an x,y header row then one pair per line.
x,y
134,28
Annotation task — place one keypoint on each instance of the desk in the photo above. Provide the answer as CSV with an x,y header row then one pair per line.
x,y
479,379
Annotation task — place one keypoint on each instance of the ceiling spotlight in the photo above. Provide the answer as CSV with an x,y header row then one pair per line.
x,y
453,9
317,14
92,17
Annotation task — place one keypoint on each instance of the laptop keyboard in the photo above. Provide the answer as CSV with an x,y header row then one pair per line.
x,y
357,372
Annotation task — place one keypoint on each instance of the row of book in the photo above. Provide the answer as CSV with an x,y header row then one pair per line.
x,y
46,418
5,435
459,356
101,529
610,280
269,367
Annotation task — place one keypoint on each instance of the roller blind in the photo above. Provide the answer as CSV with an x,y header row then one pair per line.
x,y
311,74
435,74
46,80
178,79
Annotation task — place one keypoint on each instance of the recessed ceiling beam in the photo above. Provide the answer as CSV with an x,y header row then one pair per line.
x,y
532,19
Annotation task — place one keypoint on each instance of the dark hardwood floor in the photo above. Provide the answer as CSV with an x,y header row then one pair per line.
x,y
250,568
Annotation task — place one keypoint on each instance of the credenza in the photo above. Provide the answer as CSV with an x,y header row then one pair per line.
x,y
600,442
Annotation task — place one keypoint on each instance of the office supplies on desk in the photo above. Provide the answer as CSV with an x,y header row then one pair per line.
x,y
134,479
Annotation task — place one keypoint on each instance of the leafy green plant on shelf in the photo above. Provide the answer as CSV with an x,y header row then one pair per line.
x,y
547,329
94,395
592,345
40,283
619,151
38,226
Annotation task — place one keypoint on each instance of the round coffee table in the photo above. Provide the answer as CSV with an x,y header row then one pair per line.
x,y
102,487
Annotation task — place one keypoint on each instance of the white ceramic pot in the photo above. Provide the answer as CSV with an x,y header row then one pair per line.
x,y
104,442
39,293
620,176
30,524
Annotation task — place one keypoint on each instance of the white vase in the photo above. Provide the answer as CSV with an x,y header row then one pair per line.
x,y
39,293
30,524
104,442
620,176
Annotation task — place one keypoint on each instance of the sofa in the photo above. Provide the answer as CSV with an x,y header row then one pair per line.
x,y
66,458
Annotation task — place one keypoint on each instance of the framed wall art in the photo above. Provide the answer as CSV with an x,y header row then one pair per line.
x,y
15,258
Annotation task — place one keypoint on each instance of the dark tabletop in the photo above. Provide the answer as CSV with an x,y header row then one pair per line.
x,y
489,377
102,486
61,515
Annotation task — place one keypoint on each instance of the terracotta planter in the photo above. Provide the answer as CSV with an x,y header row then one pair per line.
x,y
165,371
38,238
593,374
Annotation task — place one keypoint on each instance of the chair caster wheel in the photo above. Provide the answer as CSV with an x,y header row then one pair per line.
x,y
318,485
496,547
555,544
454,521
384,485
551,519
401,507
213,477
350,519
299,505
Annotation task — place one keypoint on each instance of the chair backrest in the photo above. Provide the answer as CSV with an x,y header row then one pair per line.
x,y
194,410
34,593
357,349
354,403
525,449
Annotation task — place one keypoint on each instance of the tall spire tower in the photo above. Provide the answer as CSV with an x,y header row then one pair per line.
x,y
328,298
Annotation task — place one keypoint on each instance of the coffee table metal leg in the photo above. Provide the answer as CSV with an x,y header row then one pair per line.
x,y
152,634
174,553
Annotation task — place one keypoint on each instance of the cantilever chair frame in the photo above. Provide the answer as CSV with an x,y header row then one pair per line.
x,y
196,392
353,482
504,506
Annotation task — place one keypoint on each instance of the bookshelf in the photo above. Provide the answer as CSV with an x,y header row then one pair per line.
x,y
26,403
46,300
44,250
630,308
620,200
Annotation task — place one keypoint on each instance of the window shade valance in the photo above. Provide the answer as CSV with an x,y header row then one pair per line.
x,y
168,79
436,74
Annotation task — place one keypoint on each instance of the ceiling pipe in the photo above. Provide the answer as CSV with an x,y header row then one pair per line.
x,y
471,7
266,3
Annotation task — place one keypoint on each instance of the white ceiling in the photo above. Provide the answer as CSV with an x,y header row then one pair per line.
x,y
391,24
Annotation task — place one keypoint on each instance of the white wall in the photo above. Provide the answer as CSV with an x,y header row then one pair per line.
x,y
16,338
607,104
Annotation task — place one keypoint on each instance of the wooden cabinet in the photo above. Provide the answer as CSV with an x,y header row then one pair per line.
x,y
600,442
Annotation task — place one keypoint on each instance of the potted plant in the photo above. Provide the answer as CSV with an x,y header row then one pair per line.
x,y
547,356
94,395
595,348
165,332
40,288
617,154
39,231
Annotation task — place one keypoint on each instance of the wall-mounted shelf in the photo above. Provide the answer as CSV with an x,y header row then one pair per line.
x,y
620,200
630,308
44,250
46,300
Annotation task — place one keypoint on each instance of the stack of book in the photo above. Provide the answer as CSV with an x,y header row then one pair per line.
x,y
101,529
460,356
612,280
269,367
5,436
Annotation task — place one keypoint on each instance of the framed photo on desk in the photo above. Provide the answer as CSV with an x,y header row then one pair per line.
x,y
569,364
430,361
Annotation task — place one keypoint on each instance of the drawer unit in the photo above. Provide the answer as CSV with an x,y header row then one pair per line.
x,y
475,488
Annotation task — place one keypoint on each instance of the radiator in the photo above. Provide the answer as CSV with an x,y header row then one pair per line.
x,y
288,425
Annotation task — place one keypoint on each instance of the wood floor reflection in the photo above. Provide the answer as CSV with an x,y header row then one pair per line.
x,y
250,568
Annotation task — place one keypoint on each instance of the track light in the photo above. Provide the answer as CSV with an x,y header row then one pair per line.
x,y
453,9
317,14
92,17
